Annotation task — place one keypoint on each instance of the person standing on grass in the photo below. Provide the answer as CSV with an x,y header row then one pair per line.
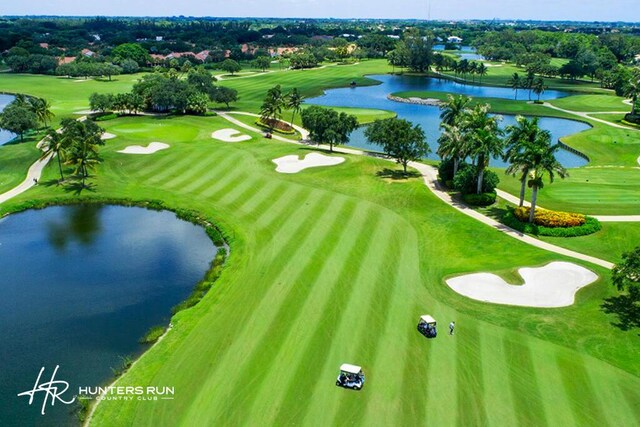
x,y
452,326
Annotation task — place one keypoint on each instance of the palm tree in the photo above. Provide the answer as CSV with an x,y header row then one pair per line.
x,y
294,102
271,108
632,91
521,142
84,158
481,70
453,109
484,139
42,109
452,144
56,146
515,82
539,87
529,82
543,161
473,69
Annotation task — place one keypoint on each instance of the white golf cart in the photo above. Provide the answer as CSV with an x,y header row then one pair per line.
x,y
427,326
351,376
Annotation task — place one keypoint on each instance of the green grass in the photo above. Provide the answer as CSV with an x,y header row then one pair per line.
x,y
15,159
592,103
335,265
594,191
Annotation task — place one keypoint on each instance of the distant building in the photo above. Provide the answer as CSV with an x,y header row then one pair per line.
x,y
454,39
96,37
44,45
392,36
279,51
66,60
88,53
159,38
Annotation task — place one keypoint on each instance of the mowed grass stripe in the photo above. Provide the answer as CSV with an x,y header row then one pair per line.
x,y
470,378
175,169
293,315
354,303
223,186
498,400
269,194
200,168
149,166
391,295
528,399
306,231
586,403
246,187
313,361
221,167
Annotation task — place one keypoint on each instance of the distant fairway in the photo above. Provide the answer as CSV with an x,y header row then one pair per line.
x,y
335,265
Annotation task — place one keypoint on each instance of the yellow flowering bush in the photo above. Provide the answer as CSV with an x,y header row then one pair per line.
x,y
551,219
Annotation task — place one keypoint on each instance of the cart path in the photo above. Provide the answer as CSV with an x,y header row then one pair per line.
x,y
602,218
586,115
34,173
430,177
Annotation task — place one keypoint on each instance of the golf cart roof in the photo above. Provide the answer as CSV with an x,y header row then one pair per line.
x,y
427,319
350,369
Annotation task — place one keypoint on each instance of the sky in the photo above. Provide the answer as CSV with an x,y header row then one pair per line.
x,y
573,10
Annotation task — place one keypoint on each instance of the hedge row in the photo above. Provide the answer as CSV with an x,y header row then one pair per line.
x,y
484,199
551,219
590,226
282,131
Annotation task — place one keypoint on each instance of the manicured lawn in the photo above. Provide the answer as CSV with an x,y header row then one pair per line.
x,y
595,191
590,103
15,159
335,265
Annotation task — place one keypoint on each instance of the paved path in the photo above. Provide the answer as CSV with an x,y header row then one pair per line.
x,y
430,175
586,115
34,172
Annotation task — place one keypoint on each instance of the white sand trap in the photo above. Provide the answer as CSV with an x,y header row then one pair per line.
x,y
86,112
553,285
149,149
293,164
229,135
107,135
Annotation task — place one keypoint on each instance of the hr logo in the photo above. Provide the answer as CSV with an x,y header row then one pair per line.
x,y
52,389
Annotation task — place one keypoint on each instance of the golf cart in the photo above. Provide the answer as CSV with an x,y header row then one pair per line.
x,y
351,376
427,326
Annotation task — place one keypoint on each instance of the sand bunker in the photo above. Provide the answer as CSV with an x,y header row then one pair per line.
x,y
107,135
149,149
293,164
553,285
229,135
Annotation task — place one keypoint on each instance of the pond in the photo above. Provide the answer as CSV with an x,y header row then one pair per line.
x,y
80,286
428,116
5,135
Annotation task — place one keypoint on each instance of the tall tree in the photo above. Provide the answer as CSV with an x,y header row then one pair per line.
x,y
327,126
294,102
452,144
398,139
521,141
272,106
543,160
453,109
539,87
484,139
626,274
515,82
42,109
57,145
230,66
18,118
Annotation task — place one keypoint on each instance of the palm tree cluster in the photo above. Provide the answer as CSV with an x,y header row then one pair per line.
x,y
76,144
38,106
471,132
530,82
275,101
472,68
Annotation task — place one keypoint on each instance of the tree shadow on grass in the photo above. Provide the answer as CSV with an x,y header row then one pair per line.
x,y
396,174
627,308
77,187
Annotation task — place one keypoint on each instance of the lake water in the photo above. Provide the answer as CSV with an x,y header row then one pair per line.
x,y
80,285
428,116
5,135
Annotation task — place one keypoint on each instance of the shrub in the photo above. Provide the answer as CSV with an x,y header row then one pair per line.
x,y
445,170
484,199
466,180
632,118
279,126
551,219
105,117
590,226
